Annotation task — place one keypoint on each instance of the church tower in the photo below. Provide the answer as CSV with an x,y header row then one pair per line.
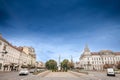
x,y
86,50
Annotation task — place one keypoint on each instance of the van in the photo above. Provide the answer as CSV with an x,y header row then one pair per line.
x,y
110,72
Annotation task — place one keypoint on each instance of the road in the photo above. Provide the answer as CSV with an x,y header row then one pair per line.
x,y
102,76
13,76
48,75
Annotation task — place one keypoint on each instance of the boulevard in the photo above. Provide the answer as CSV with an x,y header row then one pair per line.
x,y
59,39
49,75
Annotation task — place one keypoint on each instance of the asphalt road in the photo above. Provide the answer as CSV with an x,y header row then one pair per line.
x,y
48,75
13,76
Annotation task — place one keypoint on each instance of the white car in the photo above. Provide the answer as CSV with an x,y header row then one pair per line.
x,y
23,72
110,72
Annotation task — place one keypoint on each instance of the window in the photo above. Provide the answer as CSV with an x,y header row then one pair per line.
x,y
99,58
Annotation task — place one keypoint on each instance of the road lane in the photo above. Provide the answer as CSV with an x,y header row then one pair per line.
x,y
12,76
47,75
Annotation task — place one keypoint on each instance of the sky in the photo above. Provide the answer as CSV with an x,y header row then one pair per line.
x,y
61,27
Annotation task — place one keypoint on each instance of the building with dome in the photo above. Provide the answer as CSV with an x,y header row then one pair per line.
x,y
98,60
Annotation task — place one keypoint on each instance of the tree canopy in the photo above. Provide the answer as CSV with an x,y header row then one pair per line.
x,y
51,64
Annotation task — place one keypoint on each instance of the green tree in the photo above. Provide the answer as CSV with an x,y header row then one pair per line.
x,y
51,65
65,65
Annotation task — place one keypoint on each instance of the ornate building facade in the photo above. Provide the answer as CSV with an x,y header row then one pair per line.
x,y
13,58
97,60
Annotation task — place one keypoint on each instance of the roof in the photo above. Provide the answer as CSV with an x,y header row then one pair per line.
x,y
94,53
117,53
2,39
97,53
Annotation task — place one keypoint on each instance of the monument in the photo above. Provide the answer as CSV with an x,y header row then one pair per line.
x,y
59,64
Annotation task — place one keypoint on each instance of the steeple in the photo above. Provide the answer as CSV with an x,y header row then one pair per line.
x,y
86,50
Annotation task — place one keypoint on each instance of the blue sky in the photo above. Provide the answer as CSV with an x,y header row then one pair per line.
x,y
61,27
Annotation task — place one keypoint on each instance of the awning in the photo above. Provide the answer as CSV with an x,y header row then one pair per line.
x,y
6,65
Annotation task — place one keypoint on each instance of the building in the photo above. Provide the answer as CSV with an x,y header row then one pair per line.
x,y
14,58
28,56
40,65
9,56
98,60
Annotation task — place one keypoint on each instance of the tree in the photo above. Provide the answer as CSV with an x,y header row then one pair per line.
x,y
71,65
51,64
65,65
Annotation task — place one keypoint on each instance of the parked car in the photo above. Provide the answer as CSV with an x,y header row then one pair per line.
x,y
110,72
23,72
32,70
117,72
40,70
